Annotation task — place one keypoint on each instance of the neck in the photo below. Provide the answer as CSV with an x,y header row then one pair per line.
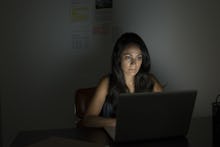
x,y
129,81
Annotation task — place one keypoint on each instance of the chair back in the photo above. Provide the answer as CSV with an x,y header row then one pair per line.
x,y
83,97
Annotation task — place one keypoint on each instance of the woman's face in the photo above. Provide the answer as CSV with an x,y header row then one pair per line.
x,y
131,60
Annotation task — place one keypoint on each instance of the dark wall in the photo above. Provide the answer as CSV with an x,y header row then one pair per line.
x,y
40,70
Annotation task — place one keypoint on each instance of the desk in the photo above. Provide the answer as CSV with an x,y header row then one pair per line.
x,y
200,135
96,135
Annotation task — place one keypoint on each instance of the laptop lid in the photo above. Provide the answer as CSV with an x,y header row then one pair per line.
x,y
147,116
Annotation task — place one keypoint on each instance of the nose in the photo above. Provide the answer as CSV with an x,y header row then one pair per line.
x,y
133,61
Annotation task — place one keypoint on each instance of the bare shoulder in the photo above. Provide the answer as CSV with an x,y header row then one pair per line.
x,y
102,87
157,85
152,77
104,81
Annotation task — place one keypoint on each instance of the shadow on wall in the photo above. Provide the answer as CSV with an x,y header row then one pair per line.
x,y
0,118
90,66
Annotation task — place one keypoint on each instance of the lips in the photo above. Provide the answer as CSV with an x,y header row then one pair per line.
x,y
132,70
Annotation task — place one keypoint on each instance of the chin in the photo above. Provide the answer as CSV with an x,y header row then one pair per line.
x,y
133,73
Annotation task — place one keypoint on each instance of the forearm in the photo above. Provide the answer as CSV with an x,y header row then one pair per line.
x,y
97,121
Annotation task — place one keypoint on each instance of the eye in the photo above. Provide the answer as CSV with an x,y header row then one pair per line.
x,y
127,57
139,57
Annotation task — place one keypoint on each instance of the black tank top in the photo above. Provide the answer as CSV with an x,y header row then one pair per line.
x,y
107,110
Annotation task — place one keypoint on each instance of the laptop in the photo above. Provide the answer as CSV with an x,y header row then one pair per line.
x,y
150,116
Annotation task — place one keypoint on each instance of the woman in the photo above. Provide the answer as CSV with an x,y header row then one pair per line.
x,y
129,74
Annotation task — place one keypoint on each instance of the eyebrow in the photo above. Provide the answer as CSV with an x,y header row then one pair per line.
x,y
130,54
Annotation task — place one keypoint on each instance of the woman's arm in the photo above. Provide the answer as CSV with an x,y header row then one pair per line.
x,y
92,118
97,121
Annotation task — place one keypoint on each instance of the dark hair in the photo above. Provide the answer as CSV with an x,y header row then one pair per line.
x,y
116,79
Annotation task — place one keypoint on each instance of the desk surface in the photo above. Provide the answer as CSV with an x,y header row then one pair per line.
x,y
200,135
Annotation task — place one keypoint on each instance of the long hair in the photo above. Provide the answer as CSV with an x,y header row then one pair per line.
x,y
117,83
